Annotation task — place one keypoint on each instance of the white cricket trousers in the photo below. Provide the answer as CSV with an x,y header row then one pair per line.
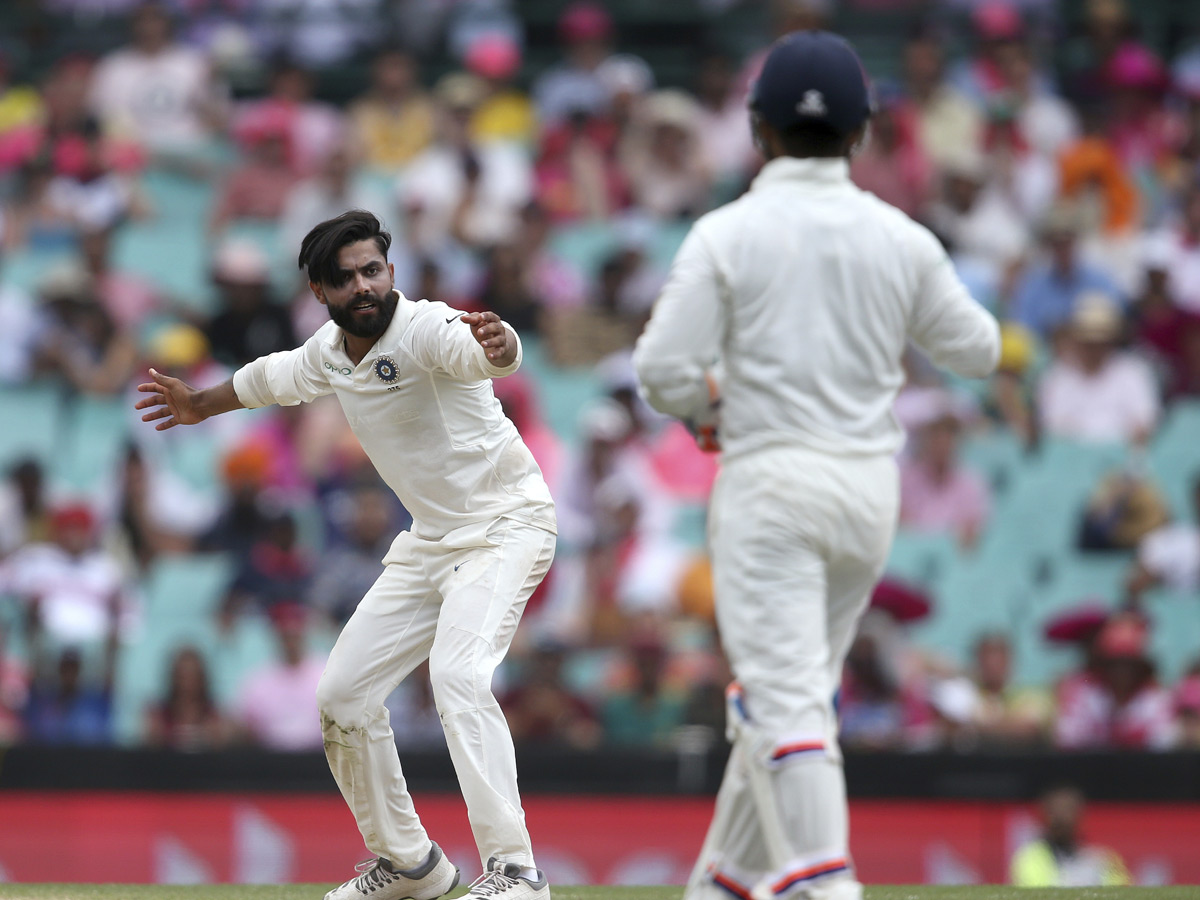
x,y
799,539
458,606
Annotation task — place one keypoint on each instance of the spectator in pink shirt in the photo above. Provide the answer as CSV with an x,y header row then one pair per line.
x,y
892,165
936,492
278,704
259,187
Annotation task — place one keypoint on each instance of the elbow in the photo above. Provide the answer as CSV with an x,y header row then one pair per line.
x,y
983,356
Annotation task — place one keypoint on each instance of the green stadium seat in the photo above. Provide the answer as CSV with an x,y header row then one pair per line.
x,y
563,392
94,442
30,422
186,587
1175,633
922,559
143,670
584,246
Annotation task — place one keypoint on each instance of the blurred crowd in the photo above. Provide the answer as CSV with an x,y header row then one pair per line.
x,y
1059,165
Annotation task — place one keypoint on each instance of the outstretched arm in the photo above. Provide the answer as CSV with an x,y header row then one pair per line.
x,y
178,403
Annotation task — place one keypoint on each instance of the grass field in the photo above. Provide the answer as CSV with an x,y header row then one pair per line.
x,y
315,892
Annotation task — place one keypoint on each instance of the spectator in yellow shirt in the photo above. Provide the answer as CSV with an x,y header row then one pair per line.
x,y
1059,858
506,114
394,119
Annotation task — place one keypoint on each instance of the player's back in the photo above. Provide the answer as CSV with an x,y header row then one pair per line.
x,y
824,284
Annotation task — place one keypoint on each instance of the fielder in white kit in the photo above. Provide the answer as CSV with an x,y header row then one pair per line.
x,y
782,328
414,380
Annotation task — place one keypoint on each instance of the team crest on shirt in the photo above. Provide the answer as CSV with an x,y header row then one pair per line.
x,y
385,369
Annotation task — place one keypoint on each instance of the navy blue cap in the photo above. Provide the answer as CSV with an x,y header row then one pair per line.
x,y
812,76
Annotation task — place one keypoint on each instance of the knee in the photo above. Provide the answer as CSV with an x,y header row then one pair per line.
x,y
335,698
454,672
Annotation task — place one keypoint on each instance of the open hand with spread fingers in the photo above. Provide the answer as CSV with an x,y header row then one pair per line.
x,y
489,331
172,402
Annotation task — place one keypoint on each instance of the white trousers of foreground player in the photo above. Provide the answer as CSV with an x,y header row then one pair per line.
x,y
457,604
799,539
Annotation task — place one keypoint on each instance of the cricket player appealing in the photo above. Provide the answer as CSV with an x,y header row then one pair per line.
x,y
793,305
414,380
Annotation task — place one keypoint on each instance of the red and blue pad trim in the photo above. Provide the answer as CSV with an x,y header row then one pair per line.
x,y
729,884
811,872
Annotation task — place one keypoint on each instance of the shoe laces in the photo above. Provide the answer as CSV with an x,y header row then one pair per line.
x,y
373,877
491,883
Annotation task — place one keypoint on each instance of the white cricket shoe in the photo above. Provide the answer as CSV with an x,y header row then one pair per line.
x,y
503,881
379,881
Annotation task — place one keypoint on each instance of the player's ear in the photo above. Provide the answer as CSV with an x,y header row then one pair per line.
x,y
392,273
318,291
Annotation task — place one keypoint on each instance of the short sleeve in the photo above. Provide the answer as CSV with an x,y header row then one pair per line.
x,y
439,340
286,378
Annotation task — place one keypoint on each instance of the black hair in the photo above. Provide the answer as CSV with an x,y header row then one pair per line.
x,y
813,139
319,249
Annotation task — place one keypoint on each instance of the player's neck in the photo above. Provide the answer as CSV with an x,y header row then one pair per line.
x,y
356,347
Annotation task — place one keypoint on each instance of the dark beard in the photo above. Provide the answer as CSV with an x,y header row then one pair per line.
x,y
371,326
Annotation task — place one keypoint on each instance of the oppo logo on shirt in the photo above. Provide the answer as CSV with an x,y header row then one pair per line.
x,y
332,368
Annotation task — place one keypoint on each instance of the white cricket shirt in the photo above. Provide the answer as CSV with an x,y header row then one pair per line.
x,y
803,294
421,405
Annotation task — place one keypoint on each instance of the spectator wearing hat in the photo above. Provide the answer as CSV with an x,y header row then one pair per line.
x,y
937,494
93,186
394,119
462,191
1123,707
1094,391
276,706
668,173
883,702
70,588
1138,125
627,81
506,113
1046,293
585,30
79,340
258,187
249,324
1059,857
1000,33
1169,556
312,128
155,89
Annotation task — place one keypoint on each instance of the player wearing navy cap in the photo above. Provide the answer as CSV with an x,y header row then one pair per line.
x,y
780,334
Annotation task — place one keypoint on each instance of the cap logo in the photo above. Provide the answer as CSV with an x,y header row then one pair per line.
x,y
812,104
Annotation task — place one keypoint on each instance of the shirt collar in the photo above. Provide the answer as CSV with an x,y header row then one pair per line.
x,y
390,338
813,171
